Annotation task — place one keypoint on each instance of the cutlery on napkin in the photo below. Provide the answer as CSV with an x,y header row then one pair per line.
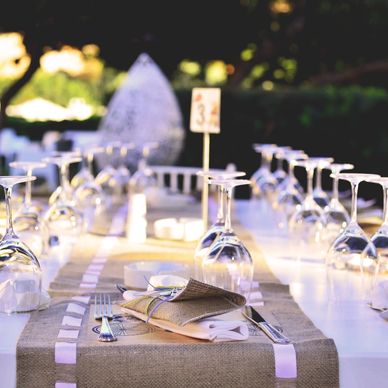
x,y
191,308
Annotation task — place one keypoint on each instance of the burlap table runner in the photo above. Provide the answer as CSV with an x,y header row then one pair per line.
x,y
146,356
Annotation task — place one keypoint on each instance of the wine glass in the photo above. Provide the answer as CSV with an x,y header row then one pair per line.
x,y
290,179
280,155
108,178
228,264
85,174
28,223
218,226
63,219
352,249
336,216
379,270
143,181
88,194
122,170
320,197
263,182
69,190
307,221
289,195
20,273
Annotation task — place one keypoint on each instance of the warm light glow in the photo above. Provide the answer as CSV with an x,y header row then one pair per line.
x,y
13,57
11,47
281,6
68,59
216,73
267,85
190,67
230,69
40,109
73,61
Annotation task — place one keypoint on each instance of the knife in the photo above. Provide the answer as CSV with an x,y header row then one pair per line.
x,y
274,334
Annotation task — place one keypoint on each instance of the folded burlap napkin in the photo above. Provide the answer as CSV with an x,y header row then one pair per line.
x,y
186,309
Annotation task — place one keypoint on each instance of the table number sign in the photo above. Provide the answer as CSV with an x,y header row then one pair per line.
x,y
205,118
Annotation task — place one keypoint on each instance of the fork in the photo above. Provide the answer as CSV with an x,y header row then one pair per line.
x,y
103,311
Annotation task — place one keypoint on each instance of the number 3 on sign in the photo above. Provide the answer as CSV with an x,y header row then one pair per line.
x,y
205,110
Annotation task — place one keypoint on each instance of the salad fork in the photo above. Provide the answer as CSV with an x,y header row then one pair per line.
x,y
103,312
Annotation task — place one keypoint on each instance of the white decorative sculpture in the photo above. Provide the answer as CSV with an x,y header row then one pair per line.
x,y
144,109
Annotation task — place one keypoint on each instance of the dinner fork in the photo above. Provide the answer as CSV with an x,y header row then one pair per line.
x,y
103,311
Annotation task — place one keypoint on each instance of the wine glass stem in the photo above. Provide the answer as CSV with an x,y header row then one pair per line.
x,y
354,202
27,197
8,206
318,180
220,212
335,189
267,159
89,162
228,222
310,176
64,173
291,166
279,165
385,216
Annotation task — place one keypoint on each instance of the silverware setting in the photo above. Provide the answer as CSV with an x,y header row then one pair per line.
x,y
271,331
103,311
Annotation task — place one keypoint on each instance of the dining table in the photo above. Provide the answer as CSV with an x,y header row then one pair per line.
x,y
335,342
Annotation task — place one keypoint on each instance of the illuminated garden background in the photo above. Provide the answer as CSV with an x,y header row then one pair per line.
x,y
310,74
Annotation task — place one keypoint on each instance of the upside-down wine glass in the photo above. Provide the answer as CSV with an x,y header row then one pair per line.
x,y
217,227
307,222
380,241
20,273
289,191
228,263
143,181
122,170
263,182
28,223
320,197
280,156
352,249
108,178
336,216
66,183
63,219
88,194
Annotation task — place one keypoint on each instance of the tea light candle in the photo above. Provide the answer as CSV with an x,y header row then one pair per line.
x,y
185,229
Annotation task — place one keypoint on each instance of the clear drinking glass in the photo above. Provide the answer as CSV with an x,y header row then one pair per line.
x,y
228,263
280,156
379,271
28,223
289,195
63,219
336,216
122,170
263,182
307,222
89,196
352,249
20,273
320,197
69,190
108,178
217,228
144,181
